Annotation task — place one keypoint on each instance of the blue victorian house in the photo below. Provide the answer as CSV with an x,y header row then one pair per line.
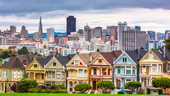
x,y
127,69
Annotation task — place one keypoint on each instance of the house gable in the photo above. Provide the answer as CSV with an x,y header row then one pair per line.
x,y
34,65
76,61
51,65
122,57
99,60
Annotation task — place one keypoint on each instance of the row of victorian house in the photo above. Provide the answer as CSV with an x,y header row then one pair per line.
x,y
117,66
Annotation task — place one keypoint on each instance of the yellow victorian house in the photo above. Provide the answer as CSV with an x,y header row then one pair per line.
x,y
77,69
35,70
154,64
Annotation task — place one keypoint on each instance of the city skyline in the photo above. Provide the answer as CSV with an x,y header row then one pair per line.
x,y
150,15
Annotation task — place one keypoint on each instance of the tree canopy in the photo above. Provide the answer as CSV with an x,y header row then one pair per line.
x,y
82,87
163,82
23,50
132,85
106,85
167,43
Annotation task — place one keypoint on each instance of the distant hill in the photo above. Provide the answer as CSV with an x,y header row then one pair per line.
x,y
45,34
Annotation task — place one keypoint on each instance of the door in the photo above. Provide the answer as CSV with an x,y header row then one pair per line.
x,y
118,83
5,88
94,85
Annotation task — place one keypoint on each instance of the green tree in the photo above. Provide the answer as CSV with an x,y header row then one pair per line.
x,y
132,85
107,85
5,54
167,43
82,87
163,82
25,84
98,50
23,50
159,47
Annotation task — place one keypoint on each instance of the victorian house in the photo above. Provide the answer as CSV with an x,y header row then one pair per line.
x,y
154,64
126,66
102,64
77,69
13,71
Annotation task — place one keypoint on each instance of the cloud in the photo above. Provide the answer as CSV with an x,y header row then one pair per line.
x,y
21,7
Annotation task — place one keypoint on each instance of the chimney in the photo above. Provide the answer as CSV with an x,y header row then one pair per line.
x,y
36,54
24,63
164,52
138,54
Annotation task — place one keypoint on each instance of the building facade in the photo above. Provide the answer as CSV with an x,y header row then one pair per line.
x,y
50,32
121,27
71,24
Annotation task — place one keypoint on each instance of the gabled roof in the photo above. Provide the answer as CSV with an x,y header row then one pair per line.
x,y
86,57
134,54
17,61
44,61
160,52
64,59
110,55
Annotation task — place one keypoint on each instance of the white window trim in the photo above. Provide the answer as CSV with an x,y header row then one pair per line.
x,y
14,73
80,75
4,74
18,74
58,74
49,74
71,72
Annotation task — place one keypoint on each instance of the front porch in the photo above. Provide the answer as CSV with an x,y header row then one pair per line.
x,y
39,76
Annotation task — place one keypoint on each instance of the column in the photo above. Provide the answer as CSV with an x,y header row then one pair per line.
x,y
55,74
77,72
131,69
68,86
91,71
46,74
125,69
34,75
83,73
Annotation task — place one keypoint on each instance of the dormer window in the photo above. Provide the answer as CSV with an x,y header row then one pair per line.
x,y
35,65
124,59
100,60
54,64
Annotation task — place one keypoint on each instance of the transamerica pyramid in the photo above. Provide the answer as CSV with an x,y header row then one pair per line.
x,y
40,31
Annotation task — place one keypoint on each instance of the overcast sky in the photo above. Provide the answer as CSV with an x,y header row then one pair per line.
x,y
149,14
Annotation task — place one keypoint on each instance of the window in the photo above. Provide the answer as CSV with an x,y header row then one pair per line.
x,y
133,70
49,75
63,75
149,68
80,72
124,59
159,67
94,71
128,69
118,69
104,71
42,76
144,69
58,74
127,80
80,82
65,52
4,73
2,86
154,68
168,66
85,74
15,75
72,73
109,71
18,75
100,60
54,64
35,65
76,61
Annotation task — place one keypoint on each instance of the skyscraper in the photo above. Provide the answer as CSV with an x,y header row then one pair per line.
x,y
24,32
13,29
151,35
40,30
50,32
121,27
159,36
71,24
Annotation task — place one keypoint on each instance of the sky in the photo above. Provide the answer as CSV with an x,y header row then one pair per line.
x,y
148,14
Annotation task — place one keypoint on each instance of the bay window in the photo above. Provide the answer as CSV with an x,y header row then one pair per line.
x,y
14,74
58,74
71,73
128,69
80,72
18,75
154,68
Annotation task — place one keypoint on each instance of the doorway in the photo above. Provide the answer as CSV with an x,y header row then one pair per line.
x,y
94,85
118,83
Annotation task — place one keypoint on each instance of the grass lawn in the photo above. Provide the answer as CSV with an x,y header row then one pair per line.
x,y
59,94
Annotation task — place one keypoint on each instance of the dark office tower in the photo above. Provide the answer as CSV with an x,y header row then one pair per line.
x,y
71,24
40,30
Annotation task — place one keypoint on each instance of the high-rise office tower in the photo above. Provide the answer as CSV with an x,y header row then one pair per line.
x,y
13,29
113,32
133,39
24,32
159,36
40,30
152,35
121,27
71,24
167,34
36,36
50,32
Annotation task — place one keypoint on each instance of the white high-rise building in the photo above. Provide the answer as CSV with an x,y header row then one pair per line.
x,y
36,36
121,27
3,40
50,32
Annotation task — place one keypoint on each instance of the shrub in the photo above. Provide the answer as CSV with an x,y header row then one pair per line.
x,y
61,86
43,91
47,90
159,91
106,85
148,90
33,90
71,89
14,87
42,86
26,84
120,92
82,87
54,91
132,85
54,87
62,91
